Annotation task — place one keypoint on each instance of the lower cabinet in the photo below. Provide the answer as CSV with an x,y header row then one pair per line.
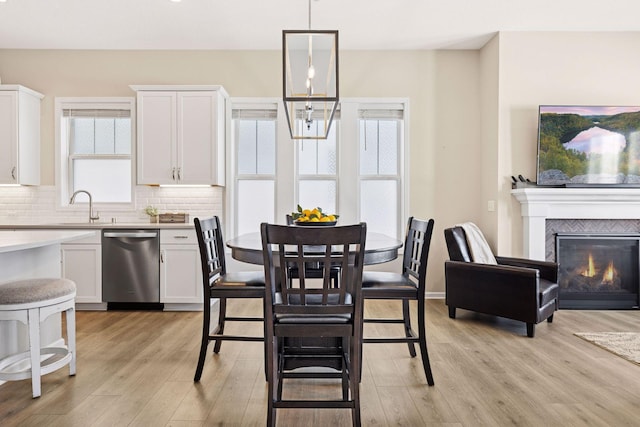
x,y
82,263
180,269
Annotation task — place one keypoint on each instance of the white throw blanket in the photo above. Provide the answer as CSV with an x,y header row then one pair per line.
x,y
478,246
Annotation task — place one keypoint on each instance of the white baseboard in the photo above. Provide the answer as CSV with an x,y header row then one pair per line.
x,y
435,295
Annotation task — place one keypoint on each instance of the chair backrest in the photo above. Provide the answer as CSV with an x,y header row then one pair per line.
x,y
286,249
416,249
211,245
457,244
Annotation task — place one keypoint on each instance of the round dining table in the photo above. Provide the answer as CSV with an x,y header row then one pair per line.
x,y
379,248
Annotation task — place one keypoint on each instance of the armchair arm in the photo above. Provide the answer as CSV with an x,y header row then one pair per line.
x,y
500,290
548,270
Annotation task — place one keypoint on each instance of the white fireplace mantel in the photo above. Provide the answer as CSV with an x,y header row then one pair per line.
x,y
539,204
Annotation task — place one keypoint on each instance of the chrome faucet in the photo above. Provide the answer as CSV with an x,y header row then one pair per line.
x,y
73,198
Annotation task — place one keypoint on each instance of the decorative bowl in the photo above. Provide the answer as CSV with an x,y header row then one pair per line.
x,y
315,223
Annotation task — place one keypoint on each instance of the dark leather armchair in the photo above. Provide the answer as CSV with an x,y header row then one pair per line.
x,y
515,288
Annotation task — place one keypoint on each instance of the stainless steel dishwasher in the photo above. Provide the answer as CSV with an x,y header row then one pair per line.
x,y
131,268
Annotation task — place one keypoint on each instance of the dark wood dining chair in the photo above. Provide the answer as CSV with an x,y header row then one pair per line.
x,y
309,322
408,285
218,283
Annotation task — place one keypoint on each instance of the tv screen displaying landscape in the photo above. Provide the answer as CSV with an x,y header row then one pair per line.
x,y
587,145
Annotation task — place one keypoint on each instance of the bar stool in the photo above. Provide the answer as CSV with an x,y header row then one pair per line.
x,y
31,302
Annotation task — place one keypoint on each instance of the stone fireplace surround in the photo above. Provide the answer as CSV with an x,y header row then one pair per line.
x,y
549,210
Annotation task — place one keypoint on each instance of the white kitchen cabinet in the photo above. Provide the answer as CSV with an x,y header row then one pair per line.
x,y
181,135
19,135
180,269
82,263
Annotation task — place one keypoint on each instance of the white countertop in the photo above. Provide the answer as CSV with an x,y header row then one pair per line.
x,y
16,240
95,226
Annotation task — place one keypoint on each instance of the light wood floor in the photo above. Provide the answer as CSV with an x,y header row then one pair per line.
x,y
136,369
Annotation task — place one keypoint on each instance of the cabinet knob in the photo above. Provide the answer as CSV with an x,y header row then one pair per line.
x,y
13,173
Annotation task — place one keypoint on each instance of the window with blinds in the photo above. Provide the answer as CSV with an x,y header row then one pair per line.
x,y
317,172
380,135
357,173
98,145
255,178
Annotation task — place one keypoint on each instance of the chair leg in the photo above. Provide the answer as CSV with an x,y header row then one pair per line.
x,y
34,350
355,370
407,326
345,368
452,312
274,379
550,319
423,343
531,329
264,334
71,338
221,319
206,321
355,396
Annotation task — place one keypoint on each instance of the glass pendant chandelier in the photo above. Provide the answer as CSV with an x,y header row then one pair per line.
x,y
310,80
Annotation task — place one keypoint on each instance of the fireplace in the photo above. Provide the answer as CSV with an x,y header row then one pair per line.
x,y
594,211
598,271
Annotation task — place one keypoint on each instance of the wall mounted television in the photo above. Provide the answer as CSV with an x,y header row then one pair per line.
x,y
582,146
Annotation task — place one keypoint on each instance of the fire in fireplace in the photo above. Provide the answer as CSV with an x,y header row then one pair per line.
x,y
598,271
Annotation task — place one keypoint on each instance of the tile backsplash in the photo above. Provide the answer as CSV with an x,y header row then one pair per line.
x,y
34,205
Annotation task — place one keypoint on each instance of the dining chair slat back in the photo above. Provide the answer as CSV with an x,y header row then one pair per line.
x,y
219,284
309,321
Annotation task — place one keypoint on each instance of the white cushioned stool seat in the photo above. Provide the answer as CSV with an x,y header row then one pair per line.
x,y
30,302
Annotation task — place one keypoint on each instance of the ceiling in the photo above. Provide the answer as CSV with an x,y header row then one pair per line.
x,y
257,24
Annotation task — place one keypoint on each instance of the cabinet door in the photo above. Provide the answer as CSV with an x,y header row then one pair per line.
x,y
199,137
156,141
180,274
83,264
8,137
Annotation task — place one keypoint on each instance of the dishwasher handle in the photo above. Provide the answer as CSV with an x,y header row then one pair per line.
x,y
136,234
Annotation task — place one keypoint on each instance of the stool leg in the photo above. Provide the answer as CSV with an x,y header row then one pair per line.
x,y
34,349
71,338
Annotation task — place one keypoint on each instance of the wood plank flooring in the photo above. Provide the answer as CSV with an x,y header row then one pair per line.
x,y
136,369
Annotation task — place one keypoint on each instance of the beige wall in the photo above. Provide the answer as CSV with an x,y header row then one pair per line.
x,y
553,68
442,88
473,113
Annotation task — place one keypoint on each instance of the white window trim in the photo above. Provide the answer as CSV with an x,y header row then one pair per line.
x,y
62,149
286,158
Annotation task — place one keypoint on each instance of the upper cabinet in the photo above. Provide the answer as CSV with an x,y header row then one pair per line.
x,y
181,134
19,135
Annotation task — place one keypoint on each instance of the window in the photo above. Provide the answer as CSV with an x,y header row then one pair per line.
x,y
358,172
255,183
317,171
380,137
95,146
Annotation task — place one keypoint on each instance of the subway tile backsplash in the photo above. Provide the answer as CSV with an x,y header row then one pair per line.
x,y
35,205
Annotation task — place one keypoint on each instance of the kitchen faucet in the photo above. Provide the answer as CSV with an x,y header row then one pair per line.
x,y
73,198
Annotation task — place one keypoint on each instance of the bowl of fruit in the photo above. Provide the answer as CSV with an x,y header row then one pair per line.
x,y
313,217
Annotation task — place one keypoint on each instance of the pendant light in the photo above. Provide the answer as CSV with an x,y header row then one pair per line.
x,y
310,80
